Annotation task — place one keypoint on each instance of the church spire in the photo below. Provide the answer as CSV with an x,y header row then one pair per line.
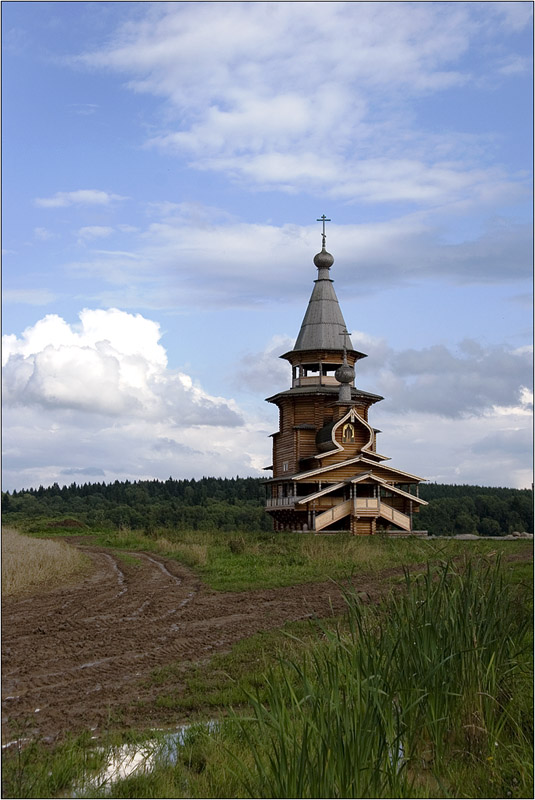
x,y
323,321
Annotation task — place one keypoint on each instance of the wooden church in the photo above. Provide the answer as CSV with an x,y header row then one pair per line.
x,y
327,473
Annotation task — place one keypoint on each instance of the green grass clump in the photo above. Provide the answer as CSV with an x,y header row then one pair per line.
x,y
228,679
32,769
420,698
239,562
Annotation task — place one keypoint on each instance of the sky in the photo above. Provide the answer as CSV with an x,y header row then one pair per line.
x,y
164,165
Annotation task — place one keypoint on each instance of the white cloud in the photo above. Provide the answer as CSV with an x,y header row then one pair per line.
x,y
316,96
194,259
31,297
265,372
90,197
471,380
514,65
485,450
111,363
100,396
514,15
193,53
43,234
84,109
94,232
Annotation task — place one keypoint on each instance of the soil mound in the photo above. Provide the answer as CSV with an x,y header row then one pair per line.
x,y
66,523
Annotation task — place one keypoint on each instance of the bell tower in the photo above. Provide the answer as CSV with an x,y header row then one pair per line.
x,y
327,474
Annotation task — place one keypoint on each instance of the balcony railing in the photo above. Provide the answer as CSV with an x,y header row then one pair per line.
x,y
280,502
369,503
315,380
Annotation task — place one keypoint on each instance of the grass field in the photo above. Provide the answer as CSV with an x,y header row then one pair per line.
x,y
29,564
242,561
238,562
427,694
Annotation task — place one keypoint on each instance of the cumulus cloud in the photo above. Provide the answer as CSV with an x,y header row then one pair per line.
x,y
80,197
99,398
111,364
470,380
265,371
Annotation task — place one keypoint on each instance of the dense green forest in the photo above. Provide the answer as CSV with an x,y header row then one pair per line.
x,y
238,504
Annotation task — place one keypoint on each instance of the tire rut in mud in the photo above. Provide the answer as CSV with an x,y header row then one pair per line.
x,y
76,655
81,656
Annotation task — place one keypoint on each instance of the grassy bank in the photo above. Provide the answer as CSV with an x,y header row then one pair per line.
x,y
428,694
29,564
232,561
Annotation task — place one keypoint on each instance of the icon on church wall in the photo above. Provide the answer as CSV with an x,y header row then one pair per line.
x,y
348,433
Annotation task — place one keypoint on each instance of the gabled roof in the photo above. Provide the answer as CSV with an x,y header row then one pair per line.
x,y
392,469
299,476
388,486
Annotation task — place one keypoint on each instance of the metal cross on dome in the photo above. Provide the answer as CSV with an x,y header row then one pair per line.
x,y
343,333
323,219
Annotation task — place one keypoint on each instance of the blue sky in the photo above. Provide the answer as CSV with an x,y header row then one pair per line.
x,y
163,168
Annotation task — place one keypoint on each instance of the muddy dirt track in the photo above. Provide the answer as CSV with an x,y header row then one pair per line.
x,y
80,656
74,656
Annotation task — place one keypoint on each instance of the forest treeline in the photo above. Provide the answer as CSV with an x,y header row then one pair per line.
x,y
238,504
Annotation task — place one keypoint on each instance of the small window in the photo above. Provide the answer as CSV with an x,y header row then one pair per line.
x,y
285,466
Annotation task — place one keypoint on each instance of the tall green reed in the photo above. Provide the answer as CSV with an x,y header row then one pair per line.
x,y
416,686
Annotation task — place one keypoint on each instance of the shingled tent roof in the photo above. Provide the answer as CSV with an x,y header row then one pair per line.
x,y
323,323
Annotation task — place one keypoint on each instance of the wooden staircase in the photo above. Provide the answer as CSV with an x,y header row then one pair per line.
x,y
364,507
397,517
332,515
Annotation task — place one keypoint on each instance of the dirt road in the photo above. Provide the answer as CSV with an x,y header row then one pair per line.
x,y
80,656
74,656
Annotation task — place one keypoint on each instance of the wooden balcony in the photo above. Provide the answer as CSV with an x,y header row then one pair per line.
x,y
281,502
315,380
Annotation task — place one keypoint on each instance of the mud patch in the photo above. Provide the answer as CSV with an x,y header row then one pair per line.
x,y
83,654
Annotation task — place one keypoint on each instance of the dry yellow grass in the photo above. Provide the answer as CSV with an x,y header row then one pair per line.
x,y
29,564
351,549
196,554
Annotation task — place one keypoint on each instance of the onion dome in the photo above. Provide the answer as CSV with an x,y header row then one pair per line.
x,y
323,260
345,373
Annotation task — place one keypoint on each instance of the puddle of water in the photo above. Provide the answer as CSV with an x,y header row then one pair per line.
x,y
138,758
164,569
120,575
